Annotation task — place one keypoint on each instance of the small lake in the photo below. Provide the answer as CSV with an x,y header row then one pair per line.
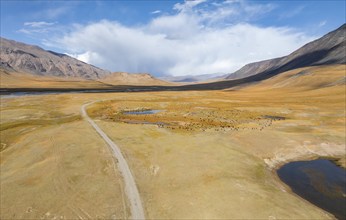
x,y
143,112
321,182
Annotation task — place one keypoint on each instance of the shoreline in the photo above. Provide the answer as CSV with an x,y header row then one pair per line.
x,y
336,154
304,157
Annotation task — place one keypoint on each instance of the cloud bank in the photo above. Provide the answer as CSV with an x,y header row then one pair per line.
x,y
199,37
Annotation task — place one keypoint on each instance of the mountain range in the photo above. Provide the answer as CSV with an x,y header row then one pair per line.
x,y
194,78
34,61
22,58
37,61
330,49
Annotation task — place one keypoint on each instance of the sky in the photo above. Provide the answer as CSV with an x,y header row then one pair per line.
x,y
170,37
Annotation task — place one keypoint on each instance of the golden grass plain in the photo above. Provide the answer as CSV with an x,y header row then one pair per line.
x,y
214,157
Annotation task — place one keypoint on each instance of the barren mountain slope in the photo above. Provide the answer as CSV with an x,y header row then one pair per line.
x,y
33,59
329,49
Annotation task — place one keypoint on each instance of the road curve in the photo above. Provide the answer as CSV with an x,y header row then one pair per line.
x,y
130,184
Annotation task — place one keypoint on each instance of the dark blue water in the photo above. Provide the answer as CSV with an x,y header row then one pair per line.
x,y
144,112
321,182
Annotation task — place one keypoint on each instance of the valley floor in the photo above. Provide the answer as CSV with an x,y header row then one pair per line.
x,y
206,155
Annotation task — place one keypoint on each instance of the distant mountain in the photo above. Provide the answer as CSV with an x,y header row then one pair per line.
x,y
193,78
37,61
329,49
123,78
17,58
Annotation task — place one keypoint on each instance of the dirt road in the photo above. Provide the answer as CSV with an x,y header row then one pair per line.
x,y
130,184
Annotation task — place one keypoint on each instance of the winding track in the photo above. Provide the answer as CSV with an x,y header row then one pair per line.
x,y
130,184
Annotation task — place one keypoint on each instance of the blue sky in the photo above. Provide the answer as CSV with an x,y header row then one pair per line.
x,y
170,37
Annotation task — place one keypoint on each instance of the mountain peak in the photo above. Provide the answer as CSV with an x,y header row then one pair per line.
x,y
37,61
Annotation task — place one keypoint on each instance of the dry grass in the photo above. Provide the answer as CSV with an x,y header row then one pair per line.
x,y
53,165
22,80
212,158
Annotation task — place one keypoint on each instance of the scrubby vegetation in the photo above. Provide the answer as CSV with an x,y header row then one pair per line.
x,y
187,115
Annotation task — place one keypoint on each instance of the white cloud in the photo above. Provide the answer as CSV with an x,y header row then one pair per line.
x,y
87,57
187,5
38,24
37,27
190,41
322,23
156,12
33,31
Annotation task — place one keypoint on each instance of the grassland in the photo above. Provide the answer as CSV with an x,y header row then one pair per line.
x,y
24,80
206,155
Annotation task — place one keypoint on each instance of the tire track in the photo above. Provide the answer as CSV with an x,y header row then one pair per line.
x,y
130,184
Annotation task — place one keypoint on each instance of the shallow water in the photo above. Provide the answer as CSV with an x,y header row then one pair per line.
x,y
274,117
321,182
20,94
144,112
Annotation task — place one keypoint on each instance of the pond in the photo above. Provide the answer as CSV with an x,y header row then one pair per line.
x,y
320,181
142,112
274,117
